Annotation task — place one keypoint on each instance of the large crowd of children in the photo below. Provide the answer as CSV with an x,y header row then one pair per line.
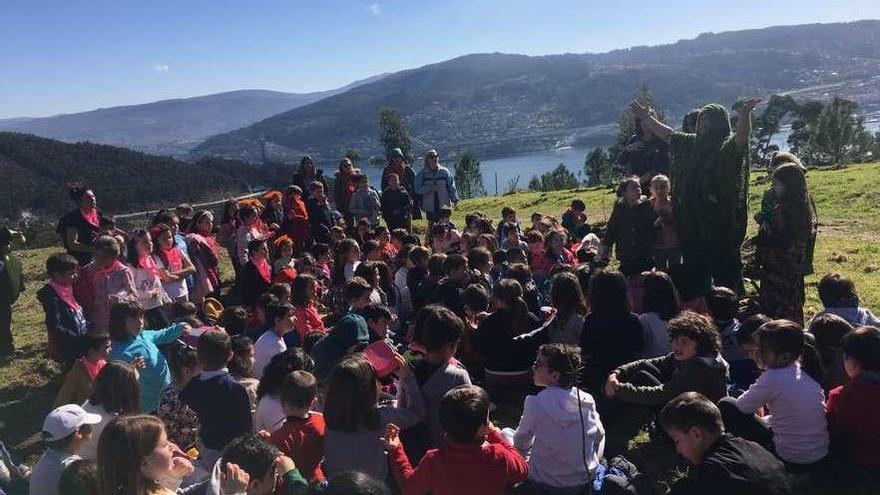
x,y
353,355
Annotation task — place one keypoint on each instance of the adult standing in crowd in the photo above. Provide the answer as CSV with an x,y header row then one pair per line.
x,y
644,155
80,227
344,187
308,172
406,176
435,184
710,181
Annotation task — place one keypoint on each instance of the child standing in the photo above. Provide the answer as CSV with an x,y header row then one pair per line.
x,y
631,229
65,320
65,430
667,248
175,264
482,460
205,254
102,282
560,432
148,278
130,341
255,274
396,204
77,386
797,425
302,436
321,216
242,366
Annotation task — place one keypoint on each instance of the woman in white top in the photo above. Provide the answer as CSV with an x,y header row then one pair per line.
x,y
116,391
660,304
269,415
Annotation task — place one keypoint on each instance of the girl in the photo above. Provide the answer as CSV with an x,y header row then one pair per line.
x,y
343,187
304,300
568,300
660,303
507,360
181,422
256,274
269,414
131,342
148,278
205,253
248,230
560,432
667,249
829,330
296,216
65,320
78,382
116,393
241,368
103,281
555,252
797,429
346,259
369,271
402,296
782,245
283,254
273,211
136,458
612,334
356,418
173,262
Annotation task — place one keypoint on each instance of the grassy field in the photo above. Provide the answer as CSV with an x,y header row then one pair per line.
x,y
848,242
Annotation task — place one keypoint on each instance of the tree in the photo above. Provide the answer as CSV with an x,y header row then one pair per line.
x,y
597,167
830,134
469,177
556,179
393,132
353,155
768,124
801,128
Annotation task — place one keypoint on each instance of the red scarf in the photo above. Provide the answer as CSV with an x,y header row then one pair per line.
x,y
93,368
92,217
172,258
100,272
65,293
263,268
146,262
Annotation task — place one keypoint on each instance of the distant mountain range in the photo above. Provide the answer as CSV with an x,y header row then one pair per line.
x,y
495,104
169,127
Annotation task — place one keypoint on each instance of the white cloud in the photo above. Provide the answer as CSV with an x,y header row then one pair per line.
x,y
161,67
375,9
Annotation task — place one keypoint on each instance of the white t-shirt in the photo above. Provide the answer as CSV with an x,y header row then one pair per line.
x,y
267,346
797,412
89,450
269,414
47,471
177,289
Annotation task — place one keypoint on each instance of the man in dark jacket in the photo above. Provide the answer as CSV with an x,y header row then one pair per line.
x,y
724,464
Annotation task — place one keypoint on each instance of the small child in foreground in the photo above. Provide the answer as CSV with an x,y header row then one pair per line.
x,y
482,460
301,437
65,430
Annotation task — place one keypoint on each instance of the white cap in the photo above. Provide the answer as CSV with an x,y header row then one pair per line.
x,y
64,420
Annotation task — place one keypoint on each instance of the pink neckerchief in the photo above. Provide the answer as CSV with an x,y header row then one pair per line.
x,y
105,271
263,268
65,293
146,262
173,258
91,216
93,368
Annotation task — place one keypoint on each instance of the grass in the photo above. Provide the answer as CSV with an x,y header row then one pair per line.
x,y
848,242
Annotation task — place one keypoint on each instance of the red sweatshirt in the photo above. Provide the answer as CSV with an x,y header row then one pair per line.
x,y
303,441
462,469
853,411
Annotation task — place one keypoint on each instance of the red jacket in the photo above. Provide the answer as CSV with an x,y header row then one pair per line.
x,y
853,411
462,469
303,441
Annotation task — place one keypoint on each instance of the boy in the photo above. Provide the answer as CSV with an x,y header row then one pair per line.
x,y
65,430
511,238
350,332
365,202
387,249
250,466
220,402
419,257
508,221
301,437
723,306
321,216
448,292
445,218
724,464
853,409
574,220
280,317
65,321
396,204
438,330
379,319
482,460
77,386
839,297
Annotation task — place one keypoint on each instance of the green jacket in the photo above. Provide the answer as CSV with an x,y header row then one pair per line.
x,y
707,375
12,282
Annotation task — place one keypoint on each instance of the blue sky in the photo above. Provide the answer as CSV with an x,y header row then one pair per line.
x,y
75,55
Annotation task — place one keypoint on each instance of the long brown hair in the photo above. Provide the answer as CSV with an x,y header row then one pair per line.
x,y
516,313
567,297
117,389
351,400
125,444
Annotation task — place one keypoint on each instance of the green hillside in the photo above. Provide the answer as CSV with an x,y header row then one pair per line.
x,y
848,242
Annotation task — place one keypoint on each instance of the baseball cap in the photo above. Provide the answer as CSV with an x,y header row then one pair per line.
x,y
65,420
396,152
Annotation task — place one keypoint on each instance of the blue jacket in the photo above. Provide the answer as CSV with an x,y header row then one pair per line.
x,y
156,375
436,188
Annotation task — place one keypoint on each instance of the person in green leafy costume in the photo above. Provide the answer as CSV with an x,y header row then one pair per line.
x,y
11,286
710,181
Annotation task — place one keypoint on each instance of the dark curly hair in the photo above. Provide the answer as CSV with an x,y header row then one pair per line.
x,y
699,328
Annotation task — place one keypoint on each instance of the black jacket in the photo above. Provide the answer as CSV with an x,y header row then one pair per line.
x,y
609,341
396,204
494,341
251,284
67,328
632,229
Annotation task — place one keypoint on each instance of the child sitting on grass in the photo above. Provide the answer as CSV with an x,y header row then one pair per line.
x,y
482,460
65,430
560,432
723,464
839,297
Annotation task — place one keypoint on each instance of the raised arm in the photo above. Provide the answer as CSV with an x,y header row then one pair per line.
x,y
744,122
656,127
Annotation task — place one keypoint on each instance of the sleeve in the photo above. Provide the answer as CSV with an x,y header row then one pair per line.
x,y
834,414
515,466
245,420
418,182
165,335
450,184
611,229
411,406
759,394
71,388
412,481
294,483
525,431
